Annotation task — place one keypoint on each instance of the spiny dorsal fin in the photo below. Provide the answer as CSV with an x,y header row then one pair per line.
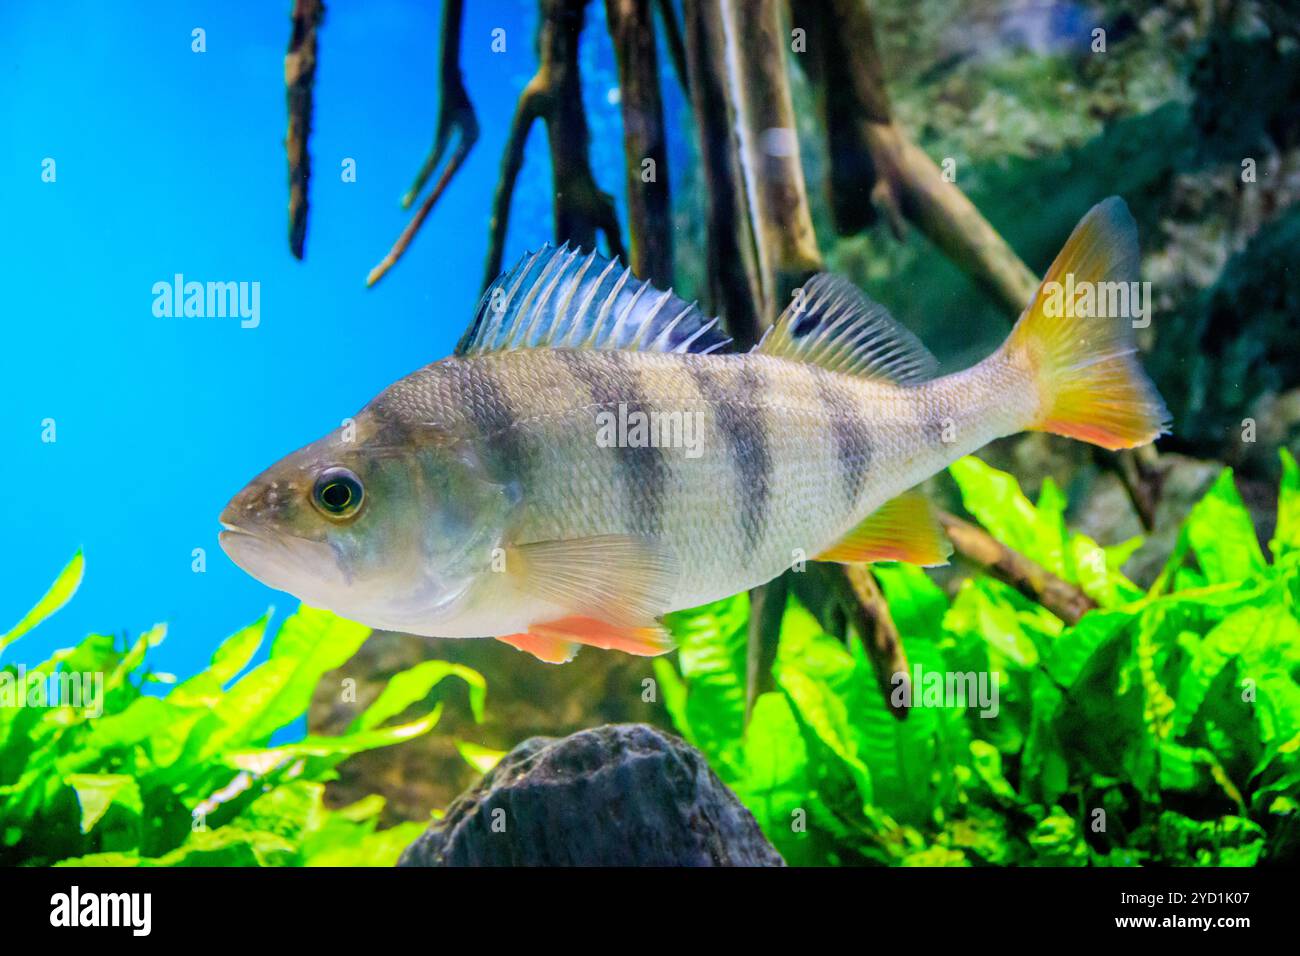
x,y
561,298
835,326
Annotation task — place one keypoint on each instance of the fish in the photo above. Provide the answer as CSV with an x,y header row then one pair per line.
x,y
594,456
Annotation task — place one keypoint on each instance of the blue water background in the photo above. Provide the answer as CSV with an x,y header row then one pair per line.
x,y
171,161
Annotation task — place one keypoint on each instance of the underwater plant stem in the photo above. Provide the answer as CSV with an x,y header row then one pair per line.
x,y
649,214
1030,578
299,80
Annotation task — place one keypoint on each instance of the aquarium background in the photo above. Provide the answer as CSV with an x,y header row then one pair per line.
x,y
1174,707
173,161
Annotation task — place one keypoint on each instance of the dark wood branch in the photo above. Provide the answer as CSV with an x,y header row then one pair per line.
x,y
676,46
771,174
871,158
455,111
732,275
1030,578
649,214
1139,472
455,116
554,94
766,611
299,80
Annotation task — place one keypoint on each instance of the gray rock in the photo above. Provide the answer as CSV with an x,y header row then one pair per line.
x,y
617,795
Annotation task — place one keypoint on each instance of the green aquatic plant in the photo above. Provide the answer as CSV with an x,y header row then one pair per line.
x,y
1163,727
97,767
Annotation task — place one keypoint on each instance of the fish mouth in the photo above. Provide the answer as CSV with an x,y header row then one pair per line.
x,y
299,566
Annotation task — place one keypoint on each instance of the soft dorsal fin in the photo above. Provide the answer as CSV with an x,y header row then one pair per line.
x,y
831,324
561,298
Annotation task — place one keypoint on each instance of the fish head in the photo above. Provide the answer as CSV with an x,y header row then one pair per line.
x,y
386,525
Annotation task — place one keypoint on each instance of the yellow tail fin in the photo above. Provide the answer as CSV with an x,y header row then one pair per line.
x,y
1077,337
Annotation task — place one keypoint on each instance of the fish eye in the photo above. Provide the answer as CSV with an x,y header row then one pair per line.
x,y
338,492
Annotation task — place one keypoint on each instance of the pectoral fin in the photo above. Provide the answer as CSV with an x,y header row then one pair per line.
x,y
613,588
902,529
621,579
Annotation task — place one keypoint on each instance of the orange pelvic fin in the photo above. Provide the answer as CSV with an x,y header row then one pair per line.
x,y
902,529
643,641
552,650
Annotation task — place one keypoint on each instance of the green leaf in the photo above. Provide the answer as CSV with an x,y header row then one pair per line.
x,y
97,792
264,760
1222,535
60,592
1287,535
775,785
712,644
381,848
1076,646
481,758
995,499
231,657
310,643
414,684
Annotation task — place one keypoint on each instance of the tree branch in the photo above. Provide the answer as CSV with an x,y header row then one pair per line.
x,y
649,216
870,155
732,275
1028,577
299,79
554,94
676,48
770,172
455,114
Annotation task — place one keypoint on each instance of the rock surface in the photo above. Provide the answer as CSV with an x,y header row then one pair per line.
x,y
617,795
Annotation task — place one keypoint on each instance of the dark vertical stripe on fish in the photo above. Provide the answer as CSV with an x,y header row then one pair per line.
x,y
736,409
611,380
503,444
852,437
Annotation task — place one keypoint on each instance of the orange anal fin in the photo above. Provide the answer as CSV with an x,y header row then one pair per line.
x,y
645,641
544,647
902,529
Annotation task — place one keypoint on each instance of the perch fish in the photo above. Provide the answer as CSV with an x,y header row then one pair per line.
x,y
591,457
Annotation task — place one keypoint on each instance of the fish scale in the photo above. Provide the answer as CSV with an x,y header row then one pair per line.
x,y
571,487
